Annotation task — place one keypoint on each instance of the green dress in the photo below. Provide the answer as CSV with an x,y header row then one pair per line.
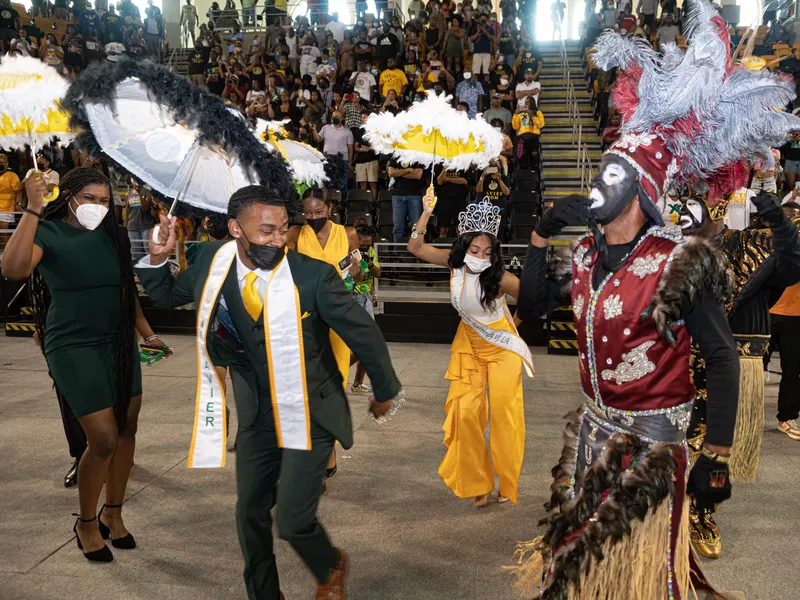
x,y
82,273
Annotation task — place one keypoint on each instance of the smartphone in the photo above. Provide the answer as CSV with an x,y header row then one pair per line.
x,y
797,186
491,170
353,258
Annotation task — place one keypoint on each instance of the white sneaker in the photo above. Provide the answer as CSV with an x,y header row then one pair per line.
x,y
790,428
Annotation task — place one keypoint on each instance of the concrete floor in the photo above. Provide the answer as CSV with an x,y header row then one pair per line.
x,y
408,537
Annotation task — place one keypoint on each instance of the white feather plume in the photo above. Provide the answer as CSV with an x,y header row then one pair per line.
x,y
306,163
384,131
29,88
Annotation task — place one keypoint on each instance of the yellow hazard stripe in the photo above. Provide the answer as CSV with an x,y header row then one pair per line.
x,y
20,327
562,326
564,344
27,310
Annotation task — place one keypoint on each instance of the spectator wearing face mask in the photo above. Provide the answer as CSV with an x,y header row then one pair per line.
x,y
528,122
498,112
43,165
351,109
668,32
470,92
364,81
493,185
336,140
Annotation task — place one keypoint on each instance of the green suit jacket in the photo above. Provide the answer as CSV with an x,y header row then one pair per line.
x,y
329,306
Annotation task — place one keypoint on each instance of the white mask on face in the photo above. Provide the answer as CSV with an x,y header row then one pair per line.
x,y
504,81
90,215
475,264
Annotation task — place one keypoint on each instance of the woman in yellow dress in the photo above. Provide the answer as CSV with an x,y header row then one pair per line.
x,y
487,352
329,242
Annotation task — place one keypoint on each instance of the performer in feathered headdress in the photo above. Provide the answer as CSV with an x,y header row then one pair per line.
x,y
618,522
763,263
487,351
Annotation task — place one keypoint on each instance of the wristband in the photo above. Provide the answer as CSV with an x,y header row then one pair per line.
x,y
724,460
150,338
32,212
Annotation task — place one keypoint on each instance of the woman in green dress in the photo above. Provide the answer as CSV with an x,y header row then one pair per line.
x,y
87,312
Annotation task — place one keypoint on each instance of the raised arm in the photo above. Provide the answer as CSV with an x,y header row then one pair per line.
x,y
21,255
417,245
784,239
359,331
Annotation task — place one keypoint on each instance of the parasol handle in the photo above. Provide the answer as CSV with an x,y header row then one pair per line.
x,y
431,192
157,228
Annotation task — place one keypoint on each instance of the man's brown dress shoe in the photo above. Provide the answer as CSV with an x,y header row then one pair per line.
x,y
333,589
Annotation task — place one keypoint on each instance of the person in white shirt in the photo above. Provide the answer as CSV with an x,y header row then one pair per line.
x,y
309,53
336,28
255,92
529,87
741,206
364,81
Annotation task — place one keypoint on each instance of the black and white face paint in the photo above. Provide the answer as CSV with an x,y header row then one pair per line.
x,y
613,188
692,216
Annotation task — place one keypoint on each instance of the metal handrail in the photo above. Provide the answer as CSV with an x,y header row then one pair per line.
x,y
585,167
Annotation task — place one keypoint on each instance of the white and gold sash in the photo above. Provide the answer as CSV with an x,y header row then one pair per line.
x,y
284,346
504,339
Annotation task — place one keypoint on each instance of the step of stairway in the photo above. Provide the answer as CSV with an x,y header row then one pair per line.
x,y
551,193
564,121
20,329
587,139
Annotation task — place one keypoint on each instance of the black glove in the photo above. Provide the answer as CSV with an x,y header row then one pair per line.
x,y
709,483
769,208
567,211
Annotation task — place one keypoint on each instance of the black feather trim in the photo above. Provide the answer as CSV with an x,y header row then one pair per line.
x,y
698,267
336,170
595,516
188,103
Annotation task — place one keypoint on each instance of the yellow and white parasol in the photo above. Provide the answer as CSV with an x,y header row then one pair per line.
x,y
306,163
432,132
30,92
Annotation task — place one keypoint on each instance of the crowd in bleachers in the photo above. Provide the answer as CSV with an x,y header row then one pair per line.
x,y
69,36
325,79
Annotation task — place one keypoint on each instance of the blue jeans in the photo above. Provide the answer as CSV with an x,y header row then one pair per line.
x,y
139,243
402,207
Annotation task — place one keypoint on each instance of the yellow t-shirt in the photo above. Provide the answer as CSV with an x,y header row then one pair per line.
x,y
9,186
392,79
523,122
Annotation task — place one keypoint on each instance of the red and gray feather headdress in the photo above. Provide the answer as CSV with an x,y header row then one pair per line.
x,y
694,118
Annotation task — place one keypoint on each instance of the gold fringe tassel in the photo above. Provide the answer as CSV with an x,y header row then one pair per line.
x,y
749,420
634,568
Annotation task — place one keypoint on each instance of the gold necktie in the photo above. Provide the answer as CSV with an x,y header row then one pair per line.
x,y
253,303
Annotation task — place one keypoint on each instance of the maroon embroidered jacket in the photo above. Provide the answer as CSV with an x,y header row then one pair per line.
x,y
624,363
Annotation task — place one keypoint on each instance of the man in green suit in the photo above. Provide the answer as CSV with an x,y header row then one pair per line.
x,y
238,337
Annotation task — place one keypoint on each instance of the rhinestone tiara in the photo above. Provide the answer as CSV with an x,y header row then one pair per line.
x,y
481,216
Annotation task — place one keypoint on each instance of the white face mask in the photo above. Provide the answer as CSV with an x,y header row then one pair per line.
x,y
90,215
475,264
504,82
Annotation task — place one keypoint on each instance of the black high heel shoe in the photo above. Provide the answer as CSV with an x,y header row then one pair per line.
x,y
102,555
123,543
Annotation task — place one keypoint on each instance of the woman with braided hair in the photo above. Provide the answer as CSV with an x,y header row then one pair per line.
x,y
87,311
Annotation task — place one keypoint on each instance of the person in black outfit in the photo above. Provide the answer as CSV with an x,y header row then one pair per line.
x,y
388,46
452,193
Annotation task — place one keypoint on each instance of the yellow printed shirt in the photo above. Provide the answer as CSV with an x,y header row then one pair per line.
x,y
392,79
525,123
365,286
9,186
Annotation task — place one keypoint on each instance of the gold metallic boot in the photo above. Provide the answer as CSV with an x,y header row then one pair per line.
x,y
704,532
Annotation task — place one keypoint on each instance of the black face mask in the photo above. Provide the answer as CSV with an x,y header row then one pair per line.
x,y
304,136
40,166
3,168
336,120
317,224
262,256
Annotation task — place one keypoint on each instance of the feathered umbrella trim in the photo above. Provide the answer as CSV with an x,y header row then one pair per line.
x,y
384,131
187,103
38,88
